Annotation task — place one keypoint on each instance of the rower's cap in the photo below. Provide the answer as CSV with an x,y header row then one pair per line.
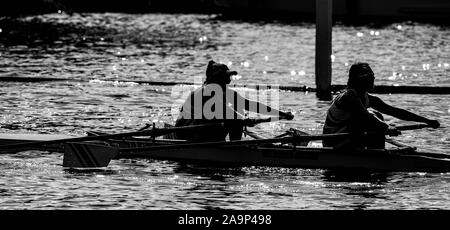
x,y
361,76
360,69
216,70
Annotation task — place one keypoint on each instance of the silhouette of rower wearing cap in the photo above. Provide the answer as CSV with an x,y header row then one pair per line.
x,y
349,113
215,102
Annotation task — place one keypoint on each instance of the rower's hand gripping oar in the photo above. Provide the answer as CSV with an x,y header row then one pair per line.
x,y
396,130
252,122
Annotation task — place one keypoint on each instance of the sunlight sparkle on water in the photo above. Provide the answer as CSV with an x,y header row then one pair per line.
x,y
266,58
293,73
245,64
399,27
301,72
393,77
446,64
359,34
333,58
203,39
229,63
1,30
374,33
236,77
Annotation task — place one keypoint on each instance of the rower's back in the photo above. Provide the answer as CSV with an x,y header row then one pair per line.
x,y
202,106
349,113
192,113
341,119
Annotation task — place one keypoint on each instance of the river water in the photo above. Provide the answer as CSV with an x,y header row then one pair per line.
x,y
177,47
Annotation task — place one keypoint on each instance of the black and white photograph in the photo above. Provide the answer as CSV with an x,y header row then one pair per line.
x,y
224,105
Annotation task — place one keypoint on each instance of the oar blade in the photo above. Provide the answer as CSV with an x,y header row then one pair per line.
x,y
87,155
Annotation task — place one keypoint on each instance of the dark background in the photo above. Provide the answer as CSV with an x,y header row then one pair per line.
x,y
350,11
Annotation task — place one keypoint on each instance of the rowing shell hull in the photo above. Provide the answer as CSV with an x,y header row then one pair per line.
x,y
271,155
301,157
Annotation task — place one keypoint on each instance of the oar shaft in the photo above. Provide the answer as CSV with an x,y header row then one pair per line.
x,y
240,142
151,132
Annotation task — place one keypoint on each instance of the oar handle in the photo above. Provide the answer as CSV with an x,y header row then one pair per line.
x,y
241,142
412,127
252,122
396,130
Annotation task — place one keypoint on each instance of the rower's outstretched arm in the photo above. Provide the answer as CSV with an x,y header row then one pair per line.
x,y
261,108
379,105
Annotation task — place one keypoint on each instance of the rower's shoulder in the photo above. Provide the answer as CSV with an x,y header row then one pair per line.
x,y
347,99
373,98
346,95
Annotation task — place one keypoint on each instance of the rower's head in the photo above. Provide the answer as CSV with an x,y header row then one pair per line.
x,y
361,77
218,73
